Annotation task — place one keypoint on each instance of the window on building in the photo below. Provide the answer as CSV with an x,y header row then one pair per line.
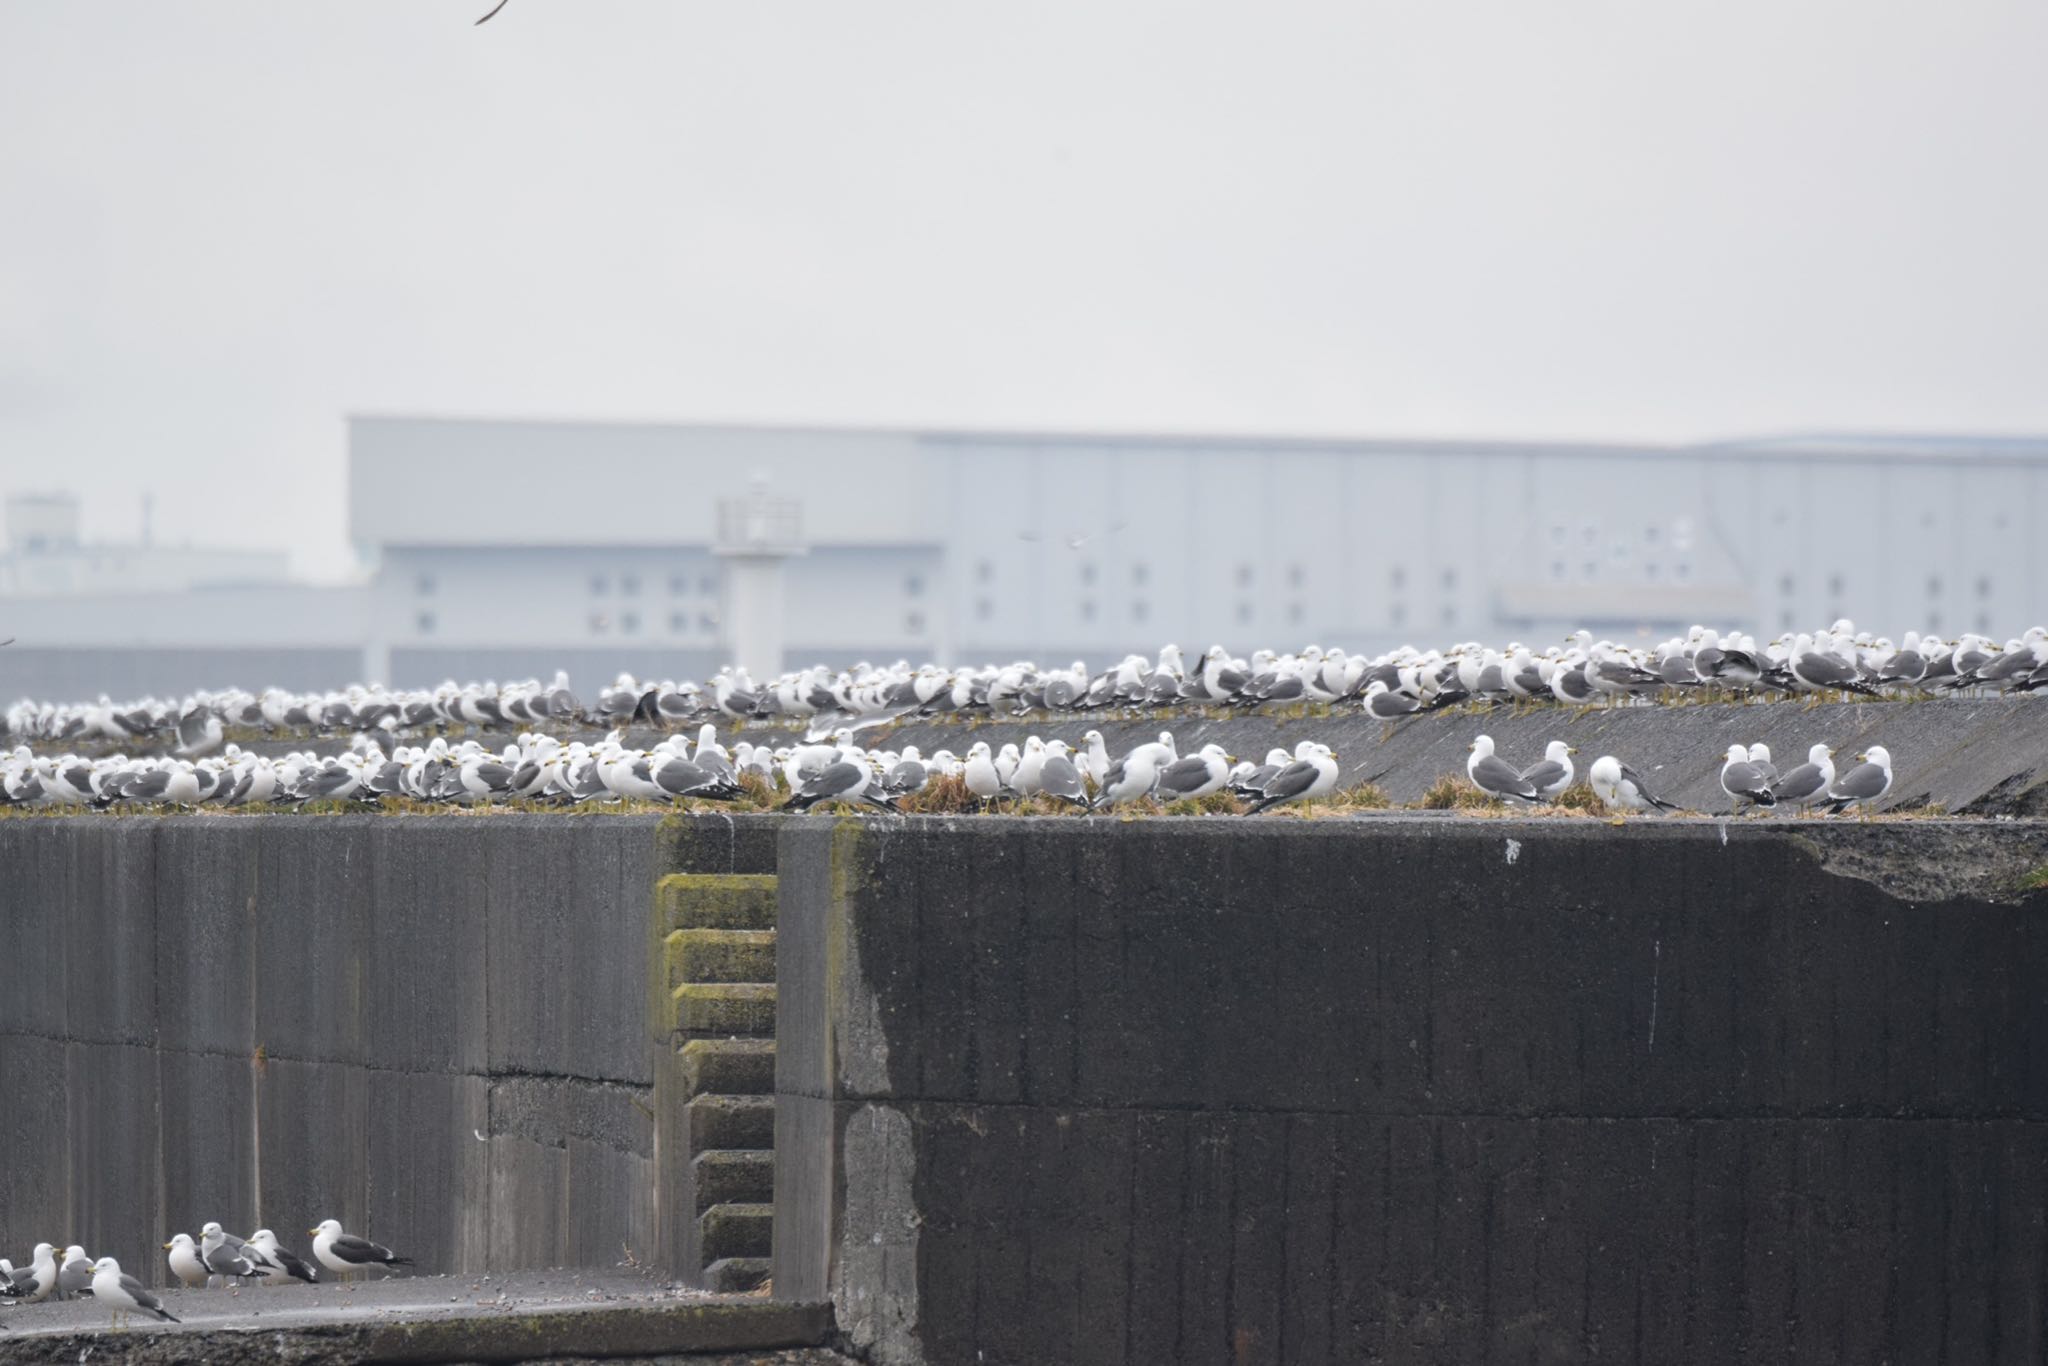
x,y
679,584
1088,571
1589,533
629,622
1652,533
1682,570
629,585
1398,613
707,584
1557,533
1557,569
1450,615
983,609
426,623
1590,569
1983,588
984,571
1294,576
599,622
1834,588
1983,621
679,623
913,622
1450,578
1398,577
1785,585
1087,609
1139,610
424,585
1244,576
599,585
1785,620
707,621
1926,519
1649,569
913,585
1140,575
1934,585
1244,612
1294,614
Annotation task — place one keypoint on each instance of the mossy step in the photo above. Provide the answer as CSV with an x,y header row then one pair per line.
x,y
737,1230
736,1275
733,1175
731,1122
721,955
729,1067
716,901
723,1009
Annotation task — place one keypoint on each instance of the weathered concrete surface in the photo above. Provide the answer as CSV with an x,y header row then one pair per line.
x,y
522,1317
431,1028
1405,1089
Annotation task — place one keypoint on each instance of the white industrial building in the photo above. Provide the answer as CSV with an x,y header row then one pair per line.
x,y
506,548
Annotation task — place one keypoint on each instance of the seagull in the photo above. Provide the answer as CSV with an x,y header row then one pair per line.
x,y
1313,772
1744,782
1622,788
38,1280
74,1273
1864,783
1495,776
1553,773
1130,777
344,1252
122,1294
1195,776
221,1253
1059,778
1808,783
980,774
843,781
280,1267
184,1261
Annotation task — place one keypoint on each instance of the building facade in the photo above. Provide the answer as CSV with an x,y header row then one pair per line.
x,y
501,549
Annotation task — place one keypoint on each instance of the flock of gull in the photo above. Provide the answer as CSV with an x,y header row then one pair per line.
x,y
1580,671
215,1258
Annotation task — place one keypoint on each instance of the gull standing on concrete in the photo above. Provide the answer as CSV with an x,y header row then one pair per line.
x,y
74,1274
344,1252
220,1252
1495,776
122,1294
1622,788
1863,784
38,1280
184,1261
1313,772
1744,781
1553,773
1808,783
279,1267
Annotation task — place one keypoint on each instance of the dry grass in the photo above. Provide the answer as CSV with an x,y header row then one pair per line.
x,y
941,796
1452,793
1580,797
1222,803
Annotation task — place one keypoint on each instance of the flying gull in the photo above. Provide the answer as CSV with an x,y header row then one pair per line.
x,y
344,1252
123,1294
1622,788
1495,776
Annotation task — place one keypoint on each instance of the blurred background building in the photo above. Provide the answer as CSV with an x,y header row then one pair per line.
x,y
500,549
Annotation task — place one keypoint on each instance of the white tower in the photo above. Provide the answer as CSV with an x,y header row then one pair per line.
x,y
756,533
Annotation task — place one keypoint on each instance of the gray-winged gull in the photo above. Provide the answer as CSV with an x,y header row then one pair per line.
x,y
1195,776
843,781
1495,776
1622,788
1313,772
279,1265
1553,773
344,1252
74,1273
1744,781
220,1252
1807,783
122,1294
1864,783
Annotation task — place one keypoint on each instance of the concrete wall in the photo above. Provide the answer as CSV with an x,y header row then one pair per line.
x,y
281,1019
1414,1090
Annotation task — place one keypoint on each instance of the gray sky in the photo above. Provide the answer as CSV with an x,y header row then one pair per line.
x,y
225,225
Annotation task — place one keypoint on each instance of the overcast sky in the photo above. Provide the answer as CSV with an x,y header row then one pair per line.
x,y
224,226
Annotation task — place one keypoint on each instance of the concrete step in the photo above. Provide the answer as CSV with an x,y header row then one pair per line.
x,y
720,901
725,1009
720,956
734,1175
729,1067
736,1275
737,1230
731,1122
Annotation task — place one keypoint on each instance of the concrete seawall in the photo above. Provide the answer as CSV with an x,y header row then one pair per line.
x,y
433,1029
1405,1090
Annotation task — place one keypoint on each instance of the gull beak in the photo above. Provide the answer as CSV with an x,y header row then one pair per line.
x,y
167,1247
